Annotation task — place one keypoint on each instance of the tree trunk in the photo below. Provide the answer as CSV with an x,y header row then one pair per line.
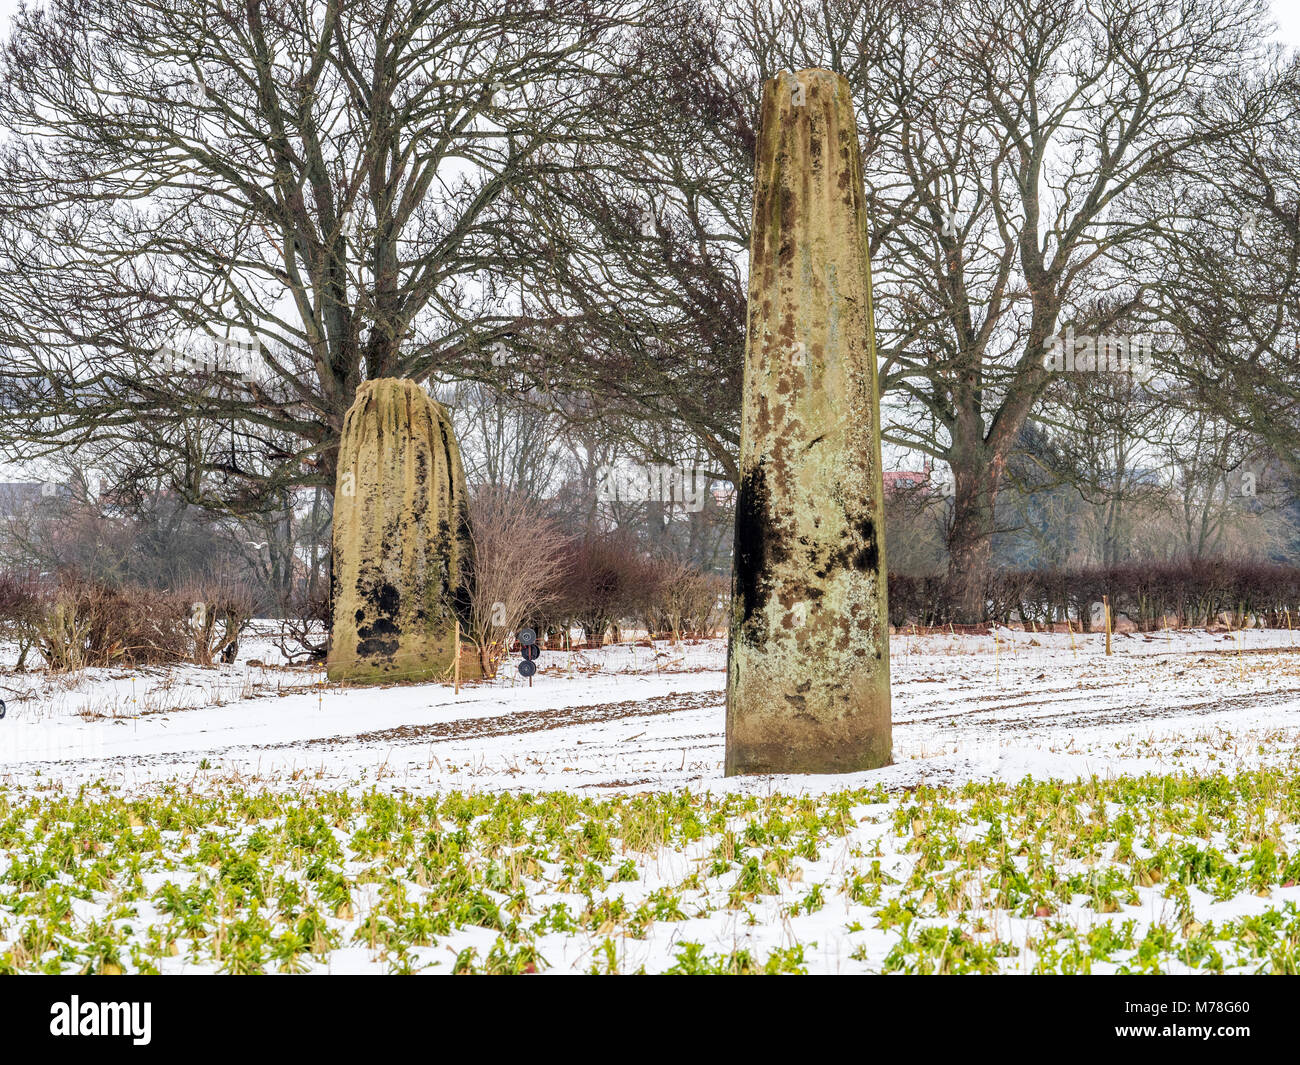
x,y
970,540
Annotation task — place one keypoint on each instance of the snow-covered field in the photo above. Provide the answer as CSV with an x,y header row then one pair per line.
x,y
627,718
1049,809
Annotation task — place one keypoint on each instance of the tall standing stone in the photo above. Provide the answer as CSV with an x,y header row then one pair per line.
x,y
808,661
400,537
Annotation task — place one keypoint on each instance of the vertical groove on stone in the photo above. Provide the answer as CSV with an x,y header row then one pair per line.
x,y
808,660
400,537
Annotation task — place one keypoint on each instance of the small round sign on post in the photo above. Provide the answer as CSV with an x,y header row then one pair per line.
x,y
530,651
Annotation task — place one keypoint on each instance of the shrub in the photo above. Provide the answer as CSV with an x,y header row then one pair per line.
x,y
516,575
304,625
606,581
219,612
21,610
919,600
1194,592
89,623
681,600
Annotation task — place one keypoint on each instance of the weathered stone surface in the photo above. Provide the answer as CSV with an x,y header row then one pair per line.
x,y
400,538
808,662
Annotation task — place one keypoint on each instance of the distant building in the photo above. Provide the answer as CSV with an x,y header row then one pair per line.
x,y
20,497
904,480
896,479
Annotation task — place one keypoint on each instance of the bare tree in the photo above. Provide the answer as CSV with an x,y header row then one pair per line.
x,y
280,197
1013,142
506,442
1230,276
1006,146
1110,427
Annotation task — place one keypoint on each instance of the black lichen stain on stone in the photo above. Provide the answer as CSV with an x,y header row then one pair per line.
x,y
380,638
860,552
759,545
419,505
867,558
445,551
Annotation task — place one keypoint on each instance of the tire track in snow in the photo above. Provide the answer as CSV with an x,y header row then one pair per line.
x,y
516,723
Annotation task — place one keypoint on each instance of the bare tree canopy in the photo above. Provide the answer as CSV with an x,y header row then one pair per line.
x,y
295,195
551,200
1009,150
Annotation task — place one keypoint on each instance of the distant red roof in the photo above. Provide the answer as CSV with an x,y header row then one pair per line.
x,y
895,478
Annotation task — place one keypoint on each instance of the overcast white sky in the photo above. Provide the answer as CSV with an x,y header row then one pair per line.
x,y
1286,12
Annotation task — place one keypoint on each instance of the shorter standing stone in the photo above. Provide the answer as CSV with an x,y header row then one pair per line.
x,y
401,545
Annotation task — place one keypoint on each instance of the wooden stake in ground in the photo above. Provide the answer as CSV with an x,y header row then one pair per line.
x,y
1105,607
808,659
